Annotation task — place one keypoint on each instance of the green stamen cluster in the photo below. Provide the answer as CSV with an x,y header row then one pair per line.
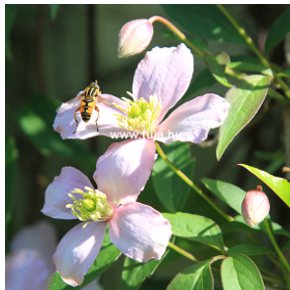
x,y
89,205
141,116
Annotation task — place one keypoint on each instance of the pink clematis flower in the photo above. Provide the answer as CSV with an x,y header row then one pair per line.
x,y
29,265
160,80
138,230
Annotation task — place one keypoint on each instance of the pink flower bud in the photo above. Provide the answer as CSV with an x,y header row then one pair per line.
x,y
134,37
255,206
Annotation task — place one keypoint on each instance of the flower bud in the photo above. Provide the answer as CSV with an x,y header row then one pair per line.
x,y
134,37
255,206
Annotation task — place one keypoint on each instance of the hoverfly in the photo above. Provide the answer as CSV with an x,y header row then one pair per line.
x,y
88,100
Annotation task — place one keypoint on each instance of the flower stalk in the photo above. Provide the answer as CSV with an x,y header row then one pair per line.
x,y
178,33
244,35
191,184
283,261
182,252
279,83
248,40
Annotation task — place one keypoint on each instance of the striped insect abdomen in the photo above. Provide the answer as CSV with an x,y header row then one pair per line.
x,y
86,108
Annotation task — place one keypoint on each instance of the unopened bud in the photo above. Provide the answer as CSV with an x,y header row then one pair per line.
x,y
134,37
255,206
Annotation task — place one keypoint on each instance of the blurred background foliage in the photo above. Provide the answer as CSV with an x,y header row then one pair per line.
x,y
54,51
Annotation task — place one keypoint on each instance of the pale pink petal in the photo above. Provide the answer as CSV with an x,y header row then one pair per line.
x,y
109,110
56,194
40,237
26,270
66,125
192,121
134,37
64,122
77,251
140,231
123,170
165,72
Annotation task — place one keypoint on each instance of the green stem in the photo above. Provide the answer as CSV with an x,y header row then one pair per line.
x,y
244,35
177,32
182,252
190,183
276,96
283,261
249,41
282,85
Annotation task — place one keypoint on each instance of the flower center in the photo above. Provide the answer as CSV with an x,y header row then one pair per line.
x,y
90,205
140,115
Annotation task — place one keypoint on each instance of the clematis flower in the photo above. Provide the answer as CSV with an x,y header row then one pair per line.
x,y
29,265
160,80
138,230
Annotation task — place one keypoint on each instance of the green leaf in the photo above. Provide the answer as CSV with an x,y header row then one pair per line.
x,y
206,21
170,189
285,73
245,102
196,228
279,185
54,8
135,273
106,257
11,159
48,142
196,277
231,194
10,16
56,283
249,65
240,225
241,273
278,30
217,69
249,250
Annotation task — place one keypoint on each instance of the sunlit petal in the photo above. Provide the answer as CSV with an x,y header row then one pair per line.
x,y
140,231
56,194
192,121
165,72
123,170
77,251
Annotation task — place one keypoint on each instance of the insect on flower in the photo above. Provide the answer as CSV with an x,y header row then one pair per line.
x,y
88,98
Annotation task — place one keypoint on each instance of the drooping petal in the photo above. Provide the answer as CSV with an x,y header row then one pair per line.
x,y
26,270
64,122
165,72
192,121
77,251
123,170
104,115
140,231
40,237
56,194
